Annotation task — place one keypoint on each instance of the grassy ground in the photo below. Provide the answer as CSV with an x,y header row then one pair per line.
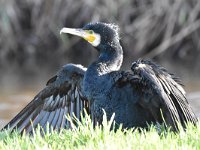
x,y
86,137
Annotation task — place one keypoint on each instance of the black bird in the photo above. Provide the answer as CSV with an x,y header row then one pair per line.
x,y
146,94
143,95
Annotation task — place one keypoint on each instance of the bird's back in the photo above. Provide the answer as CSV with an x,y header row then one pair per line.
x,y
115,97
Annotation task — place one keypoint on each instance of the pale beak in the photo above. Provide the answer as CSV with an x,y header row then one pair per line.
x,y
77,32
92,38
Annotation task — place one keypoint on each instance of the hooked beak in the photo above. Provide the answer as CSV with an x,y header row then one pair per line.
x,y
91,37
78,32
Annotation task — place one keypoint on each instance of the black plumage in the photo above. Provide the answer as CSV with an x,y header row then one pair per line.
x,y
145,94
62,96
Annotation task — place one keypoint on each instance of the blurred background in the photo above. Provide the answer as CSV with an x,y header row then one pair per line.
x,y
31,49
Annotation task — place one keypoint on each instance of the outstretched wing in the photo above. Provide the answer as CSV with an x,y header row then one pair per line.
x,y
161,94
58,99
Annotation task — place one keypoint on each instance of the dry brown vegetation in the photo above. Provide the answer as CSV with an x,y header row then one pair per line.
x,y
30,44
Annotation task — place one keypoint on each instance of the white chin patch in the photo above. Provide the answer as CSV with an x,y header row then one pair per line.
x,y
97,40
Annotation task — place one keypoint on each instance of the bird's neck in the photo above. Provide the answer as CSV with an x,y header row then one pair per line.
x,y
110,59
96,78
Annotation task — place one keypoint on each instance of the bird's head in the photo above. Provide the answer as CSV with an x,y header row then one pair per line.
x,y
98,34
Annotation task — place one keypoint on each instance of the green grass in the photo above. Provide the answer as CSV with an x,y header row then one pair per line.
x,y
86,137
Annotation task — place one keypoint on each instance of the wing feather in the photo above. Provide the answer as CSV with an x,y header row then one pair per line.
x,y
55,119
160,90
59,98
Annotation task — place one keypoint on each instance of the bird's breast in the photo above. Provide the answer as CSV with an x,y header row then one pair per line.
x,y
96,86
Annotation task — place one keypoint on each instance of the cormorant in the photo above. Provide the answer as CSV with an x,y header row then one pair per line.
x,y
146,94
143,95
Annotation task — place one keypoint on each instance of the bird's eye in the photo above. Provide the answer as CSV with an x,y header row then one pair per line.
x,y
90,31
